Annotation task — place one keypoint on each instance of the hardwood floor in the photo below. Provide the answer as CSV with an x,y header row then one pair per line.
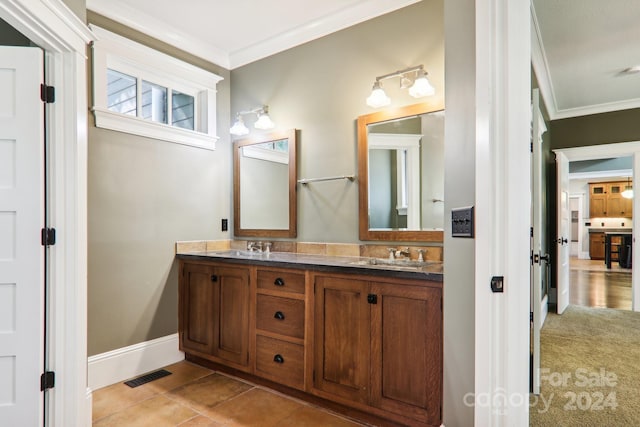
x,y
593,285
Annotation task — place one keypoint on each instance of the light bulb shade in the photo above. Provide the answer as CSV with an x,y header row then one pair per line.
x,y
239,128
378,98
421,86
264,122
627,194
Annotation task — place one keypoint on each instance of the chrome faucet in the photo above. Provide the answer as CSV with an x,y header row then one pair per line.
x,y
400,253
254,246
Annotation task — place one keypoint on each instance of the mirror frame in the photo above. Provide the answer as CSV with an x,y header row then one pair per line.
x,y
363,175
291,136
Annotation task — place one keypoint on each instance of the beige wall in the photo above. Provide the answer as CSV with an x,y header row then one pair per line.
x,y
79,7
320,88
144,195
459,190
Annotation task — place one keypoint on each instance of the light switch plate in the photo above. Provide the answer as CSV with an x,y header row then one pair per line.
x,y
462,220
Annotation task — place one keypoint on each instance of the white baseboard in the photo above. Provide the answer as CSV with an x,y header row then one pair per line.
x,y
544,309
127,362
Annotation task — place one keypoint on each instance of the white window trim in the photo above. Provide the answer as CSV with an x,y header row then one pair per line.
x,y
126,56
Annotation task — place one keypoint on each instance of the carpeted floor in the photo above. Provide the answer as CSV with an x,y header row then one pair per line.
x,y
590,373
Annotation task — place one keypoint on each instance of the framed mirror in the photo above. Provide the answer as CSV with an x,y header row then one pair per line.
x,y
264,185
401,174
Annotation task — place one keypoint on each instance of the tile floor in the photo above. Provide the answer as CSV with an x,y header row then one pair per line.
x,y
193,396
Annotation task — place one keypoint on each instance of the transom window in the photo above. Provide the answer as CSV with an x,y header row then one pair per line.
x,y
145,92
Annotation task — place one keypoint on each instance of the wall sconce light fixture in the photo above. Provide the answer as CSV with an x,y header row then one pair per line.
x,y
413,78
264,121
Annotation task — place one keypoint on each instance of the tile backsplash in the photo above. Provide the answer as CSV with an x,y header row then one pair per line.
x,y
431,253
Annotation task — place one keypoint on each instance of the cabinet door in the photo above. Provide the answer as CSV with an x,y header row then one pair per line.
x,y
231,320
341,341
598,200
596,245
406,349
615,207
196,308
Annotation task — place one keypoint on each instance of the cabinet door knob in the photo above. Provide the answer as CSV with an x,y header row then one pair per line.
x,y
278,282
278,359
279,315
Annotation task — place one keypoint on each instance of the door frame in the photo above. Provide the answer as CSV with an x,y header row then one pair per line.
x,y
620,149
64,37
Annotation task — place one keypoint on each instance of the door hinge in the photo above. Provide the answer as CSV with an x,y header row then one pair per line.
x,y
531,231
47,380
48,236
47,94
531,147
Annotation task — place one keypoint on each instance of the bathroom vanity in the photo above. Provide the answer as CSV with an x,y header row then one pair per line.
x,y
362,336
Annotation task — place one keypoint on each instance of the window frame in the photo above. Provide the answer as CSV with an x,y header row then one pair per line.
x,y
120,54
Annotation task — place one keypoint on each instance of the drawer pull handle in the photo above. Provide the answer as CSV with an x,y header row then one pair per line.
x,y
279,282
279,315
278,359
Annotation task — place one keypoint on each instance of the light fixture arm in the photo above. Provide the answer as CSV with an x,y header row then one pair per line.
x,y
400,72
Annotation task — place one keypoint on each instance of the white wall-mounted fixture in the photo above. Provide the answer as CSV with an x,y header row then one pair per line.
x,y
264,121
413,78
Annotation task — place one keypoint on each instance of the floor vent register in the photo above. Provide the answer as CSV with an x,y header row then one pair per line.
x,y
146,378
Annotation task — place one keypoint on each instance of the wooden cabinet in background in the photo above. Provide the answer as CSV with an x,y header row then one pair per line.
x,y
598,200
606,201
214,313
596,245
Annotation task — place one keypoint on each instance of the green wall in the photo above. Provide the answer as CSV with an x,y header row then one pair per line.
x,y
9,36
144,195
595,129
320,87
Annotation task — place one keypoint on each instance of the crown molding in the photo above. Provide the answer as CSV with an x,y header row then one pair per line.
x,y
317,28
124,13
545,83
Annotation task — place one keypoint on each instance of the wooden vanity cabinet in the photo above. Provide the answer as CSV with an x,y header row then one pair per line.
x,y
214,312
280,326
379,344
371,344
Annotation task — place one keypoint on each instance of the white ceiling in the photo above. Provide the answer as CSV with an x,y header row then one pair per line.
x,y
232,33
580,48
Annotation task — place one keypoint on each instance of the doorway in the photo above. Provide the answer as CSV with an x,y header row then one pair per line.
x,y
52,26
594,283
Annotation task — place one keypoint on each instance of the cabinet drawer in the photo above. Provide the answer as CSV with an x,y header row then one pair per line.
x,y
280,361
280,315
281,281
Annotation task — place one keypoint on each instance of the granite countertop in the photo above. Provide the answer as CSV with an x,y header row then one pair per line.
x,y
403,268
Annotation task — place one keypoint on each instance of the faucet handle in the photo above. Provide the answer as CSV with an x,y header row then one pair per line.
x,y
421,253
250,245
392,252
267,247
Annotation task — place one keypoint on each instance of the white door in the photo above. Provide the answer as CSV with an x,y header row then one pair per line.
x,y
21,252
538,307
564,230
